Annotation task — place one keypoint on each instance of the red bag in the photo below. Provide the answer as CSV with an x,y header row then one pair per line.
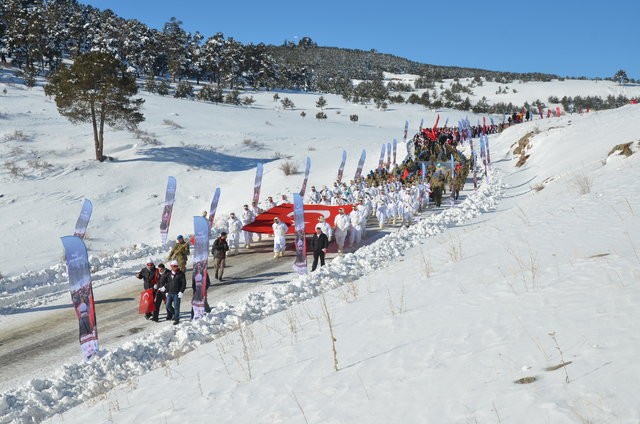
x,y
147,305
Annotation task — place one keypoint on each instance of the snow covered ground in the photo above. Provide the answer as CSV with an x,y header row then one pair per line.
x,y
434,323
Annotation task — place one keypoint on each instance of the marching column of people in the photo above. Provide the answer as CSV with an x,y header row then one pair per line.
x,y
390,196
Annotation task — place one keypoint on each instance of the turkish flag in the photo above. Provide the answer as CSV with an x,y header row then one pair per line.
x,y
146,302
264,221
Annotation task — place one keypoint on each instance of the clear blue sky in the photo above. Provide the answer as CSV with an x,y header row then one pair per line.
x,y
591,38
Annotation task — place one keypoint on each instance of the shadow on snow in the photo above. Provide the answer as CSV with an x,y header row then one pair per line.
x,y
200,158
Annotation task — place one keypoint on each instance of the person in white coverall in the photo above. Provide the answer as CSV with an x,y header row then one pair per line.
x,y
325,227
357,220
279,233
233,236
247,218
380,202
257,210
341,224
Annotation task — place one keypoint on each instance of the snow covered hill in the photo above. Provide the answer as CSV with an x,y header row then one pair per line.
x,y
435,323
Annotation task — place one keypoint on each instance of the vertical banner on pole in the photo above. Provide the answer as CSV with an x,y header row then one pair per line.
x,y
388,155
474,161
78,270
483,156
452,199
381,160
406,130
363,156
486,142
169,197
300,264
83,219
423,175
395,148
213,207
307,168
341,169
200,256
257,183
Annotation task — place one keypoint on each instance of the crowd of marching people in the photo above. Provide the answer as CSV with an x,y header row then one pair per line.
x,y
390,195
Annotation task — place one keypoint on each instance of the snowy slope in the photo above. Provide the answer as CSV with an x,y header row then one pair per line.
x,y
432,324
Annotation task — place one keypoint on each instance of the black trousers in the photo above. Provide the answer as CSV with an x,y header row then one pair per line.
x,y
317,255
160,296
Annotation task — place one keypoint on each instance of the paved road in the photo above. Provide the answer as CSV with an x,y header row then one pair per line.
x,y
38,340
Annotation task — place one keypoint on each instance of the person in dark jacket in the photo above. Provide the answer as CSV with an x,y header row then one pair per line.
x,y
149,276
219,251
161,288
176,285
319,245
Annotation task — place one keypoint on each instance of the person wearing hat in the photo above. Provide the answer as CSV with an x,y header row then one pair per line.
x,y
176,285
341,225
219,250
160,289
149,276
234,230
279,232
319,245
179,252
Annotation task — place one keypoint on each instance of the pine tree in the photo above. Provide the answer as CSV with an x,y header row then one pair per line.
x,y
621,77
230,66
287,103
321,103
96,89
184,90
175,41
212,57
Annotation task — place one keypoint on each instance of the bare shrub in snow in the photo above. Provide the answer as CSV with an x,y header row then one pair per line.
x,y
171,124
289,168
582,184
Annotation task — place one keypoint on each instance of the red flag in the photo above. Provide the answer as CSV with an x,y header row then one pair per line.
x,y
431,135
146,302
484,125
405,174
264,221
435,126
